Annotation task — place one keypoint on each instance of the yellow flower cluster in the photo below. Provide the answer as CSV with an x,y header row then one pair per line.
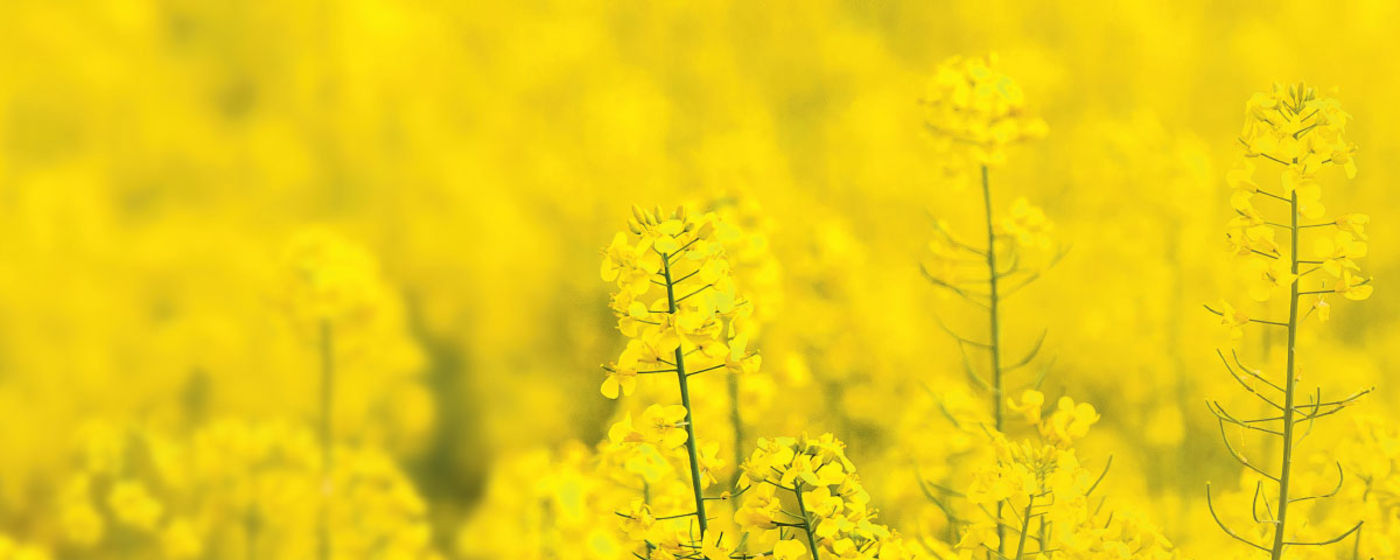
x,y
1304,133
975,112
1296,127
1033,497
832,512
235,490
677,304
1068,423
675,297
547,505
656,444
329,280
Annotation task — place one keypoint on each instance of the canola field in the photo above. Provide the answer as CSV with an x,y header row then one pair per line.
x,y
698,280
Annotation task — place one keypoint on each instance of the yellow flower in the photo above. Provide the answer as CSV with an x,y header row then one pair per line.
x,y
1029,406
1070,421
664,426
1354,224
1232,318
760,508
621,377
1248,235
1322,308
821,503
1352,286
1242,179
977,538
637,520
1264,276
1027,225
1337,252
715,551
789,550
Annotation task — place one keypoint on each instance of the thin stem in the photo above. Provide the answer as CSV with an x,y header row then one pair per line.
x,y
994,344
737,420
690,446
1290,383
807,524
327,434
646,499
1025,527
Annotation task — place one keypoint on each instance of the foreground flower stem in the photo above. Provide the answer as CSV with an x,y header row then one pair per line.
x,y
738,421
646,499
994,343
327,392
1289,384
690,446
807,525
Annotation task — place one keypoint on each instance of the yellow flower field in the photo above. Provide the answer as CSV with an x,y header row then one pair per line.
x,y
702,280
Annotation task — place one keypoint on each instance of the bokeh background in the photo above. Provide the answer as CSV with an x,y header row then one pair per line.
x,y
156,157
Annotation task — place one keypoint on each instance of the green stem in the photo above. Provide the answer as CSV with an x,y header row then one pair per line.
x,y
646,499
690,445
1276,553
738,421
327,434
993,312
995,341
808,525
1025,527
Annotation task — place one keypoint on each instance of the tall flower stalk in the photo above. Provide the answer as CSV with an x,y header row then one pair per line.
x,y
1295,128
676,303
973,114
993,305
329,286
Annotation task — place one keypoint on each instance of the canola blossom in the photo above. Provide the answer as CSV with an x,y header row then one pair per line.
x,y
1300,133
703,280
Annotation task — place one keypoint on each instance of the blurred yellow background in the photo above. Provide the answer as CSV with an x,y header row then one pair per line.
x,y
157,157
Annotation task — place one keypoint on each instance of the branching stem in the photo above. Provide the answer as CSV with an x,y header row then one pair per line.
x,y
994,344
690,444
1289,388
